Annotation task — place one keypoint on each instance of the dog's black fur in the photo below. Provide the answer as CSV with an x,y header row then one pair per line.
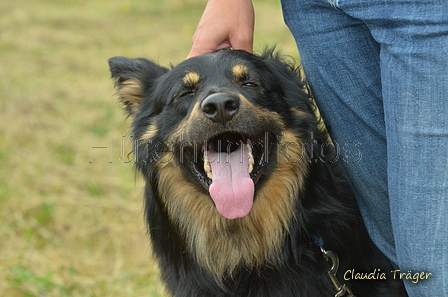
x,y
301,196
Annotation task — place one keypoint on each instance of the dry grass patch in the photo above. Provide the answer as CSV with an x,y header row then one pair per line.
x,y
71,225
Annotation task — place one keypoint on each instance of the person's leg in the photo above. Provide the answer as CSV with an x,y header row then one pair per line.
x,y
342,64
411,54
414,68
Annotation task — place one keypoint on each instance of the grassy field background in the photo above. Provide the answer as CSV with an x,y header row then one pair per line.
x,y
71,213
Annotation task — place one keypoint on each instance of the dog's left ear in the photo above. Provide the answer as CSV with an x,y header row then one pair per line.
x,y
132,78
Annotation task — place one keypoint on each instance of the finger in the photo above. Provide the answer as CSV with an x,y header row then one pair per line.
x,y
203,48
242,42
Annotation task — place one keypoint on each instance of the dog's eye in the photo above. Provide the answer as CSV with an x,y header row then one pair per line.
x,y
249,84
186,93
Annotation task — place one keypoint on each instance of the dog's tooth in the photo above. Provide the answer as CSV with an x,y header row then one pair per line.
x,y
251,159
207,167
205,157
250,156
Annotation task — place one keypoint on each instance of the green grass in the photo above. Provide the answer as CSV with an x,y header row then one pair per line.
x,y
71,220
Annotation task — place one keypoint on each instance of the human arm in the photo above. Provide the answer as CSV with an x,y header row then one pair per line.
x,y
224,23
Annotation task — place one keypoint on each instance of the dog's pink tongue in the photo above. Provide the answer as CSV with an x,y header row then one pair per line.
x,y
232,189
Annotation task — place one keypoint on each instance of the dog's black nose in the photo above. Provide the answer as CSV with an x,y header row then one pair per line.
x,y
220,107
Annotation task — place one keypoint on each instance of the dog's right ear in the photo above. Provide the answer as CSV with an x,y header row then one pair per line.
x,y
132,78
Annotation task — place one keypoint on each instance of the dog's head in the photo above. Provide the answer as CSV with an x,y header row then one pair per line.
x,y
222,116
225,141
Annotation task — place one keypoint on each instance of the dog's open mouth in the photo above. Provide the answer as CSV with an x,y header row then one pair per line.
x,y
229,165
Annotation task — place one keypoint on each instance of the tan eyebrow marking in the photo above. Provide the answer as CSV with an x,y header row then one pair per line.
x,y
191,79
240,71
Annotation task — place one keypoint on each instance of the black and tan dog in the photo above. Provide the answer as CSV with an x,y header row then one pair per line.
x,y
243,192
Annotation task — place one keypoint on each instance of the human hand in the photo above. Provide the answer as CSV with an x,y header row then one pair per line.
x,y
224,24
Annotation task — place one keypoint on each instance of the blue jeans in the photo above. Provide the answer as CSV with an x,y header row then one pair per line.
x,y
379,72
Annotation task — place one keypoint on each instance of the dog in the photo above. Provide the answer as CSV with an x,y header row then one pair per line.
x,y
245,194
